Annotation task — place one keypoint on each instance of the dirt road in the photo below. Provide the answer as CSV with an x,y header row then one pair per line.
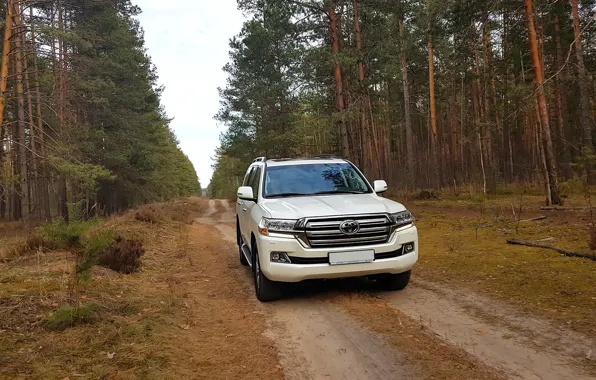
x,y
318,338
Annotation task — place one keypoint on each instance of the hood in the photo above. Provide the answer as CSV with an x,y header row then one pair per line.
x,y
329,205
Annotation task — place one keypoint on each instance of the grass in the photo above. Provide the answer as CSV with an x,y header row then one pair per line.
x,y
171,320
68,316
463,244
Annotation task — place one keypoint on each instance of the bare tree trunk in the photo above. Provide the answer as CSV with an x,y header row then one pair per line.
x,y
4,132
34,174
339,96
407,115
43,182
5,60
586,113
433,110
543,108
22,142
62,186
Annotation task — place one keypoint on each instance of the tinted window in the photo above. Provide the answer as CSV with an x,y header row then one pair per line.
x,y
255,181
310,179
247,177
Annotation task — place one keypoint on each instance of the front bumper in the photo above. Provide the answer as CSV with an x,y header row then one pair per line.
x,y
283,272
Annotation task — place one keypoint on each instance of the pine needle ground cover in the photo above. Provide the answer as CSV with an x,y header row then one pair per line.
x,y
170,319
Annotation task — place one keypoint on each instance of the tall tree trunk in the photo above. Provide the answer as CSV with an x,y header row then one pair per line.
x,y
34,184
59,67
407,115
339,96
4,132
543,108
586,113
5,60
433,111
43,180
22,142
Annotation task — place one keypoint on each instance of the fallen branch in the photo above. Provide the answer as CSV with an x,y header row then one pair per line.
x,y
562,251
534,219
561,208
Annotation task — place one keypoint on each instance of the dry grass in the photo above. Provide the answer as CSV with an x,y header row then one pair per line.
x,y
178,318
434,358
463,243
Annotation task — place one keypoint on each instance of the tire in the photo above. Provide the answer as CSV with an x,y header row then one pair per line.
x,y
243,260
394,281
265,289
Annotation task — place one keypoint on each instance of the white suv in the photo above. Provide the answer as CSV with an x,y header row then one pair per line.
x,y
319,218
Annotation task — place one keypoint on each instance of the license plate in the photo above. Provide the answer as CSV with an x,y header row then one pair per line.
x,y
353,257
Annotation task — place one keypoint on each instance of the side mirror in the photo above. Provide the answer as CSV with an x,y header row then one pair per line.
x,y
380,187
246,193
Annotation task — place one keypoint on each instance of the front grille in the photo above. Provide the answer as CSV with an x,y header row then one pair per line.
x,y
326,233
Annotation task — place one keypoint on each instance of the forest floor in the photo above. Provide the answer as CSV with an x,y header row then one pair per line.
x,y
477,308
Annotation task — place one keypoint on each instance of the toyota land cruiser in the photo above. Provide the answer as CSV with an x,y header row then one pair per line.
x,y
319,218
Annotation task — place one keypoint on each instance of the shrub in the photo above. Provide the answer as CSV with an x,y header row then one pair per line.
x,y
31,244
66,234
427,195
148,214
123,255
68,316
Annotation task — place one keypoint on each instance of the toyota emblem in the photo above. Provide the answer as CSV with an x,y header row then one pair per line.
x,y
349,227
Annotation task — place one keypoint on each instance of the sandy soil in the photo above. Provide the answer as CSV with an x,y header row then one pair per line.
x,y
318,339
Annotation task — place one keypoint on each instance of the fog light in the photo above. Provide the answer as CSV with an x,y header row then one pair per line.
x,y
408,247
280,257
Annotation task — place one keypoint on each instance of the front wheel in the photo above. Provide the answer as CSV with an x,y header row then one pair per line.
x,y
265,289
394,281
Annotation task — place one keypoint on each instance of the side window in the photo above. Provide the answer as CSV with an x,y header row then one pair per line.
x,y
247,176
255,181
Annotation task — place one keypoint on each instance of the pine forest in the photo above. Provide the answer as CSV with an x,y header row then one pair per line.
x,y
427,94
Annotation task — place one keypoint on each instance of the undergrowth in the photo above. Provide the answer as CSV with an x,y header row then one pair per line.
x,y
69,316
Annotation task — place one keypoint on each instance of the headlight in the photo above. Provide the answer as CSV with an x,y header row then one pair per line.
x,y
402,218
276,225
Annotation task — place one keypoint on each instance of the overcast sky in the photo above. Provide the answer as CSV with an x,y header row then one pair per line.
x,y
188,42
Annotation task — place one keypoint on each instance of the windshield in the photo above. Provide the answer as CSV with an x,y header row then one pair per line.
x,y
313,179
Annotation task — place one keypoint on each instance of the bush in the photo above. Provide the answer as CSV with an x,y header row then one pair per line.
x,y
427,195
66,234
68,316
31,244
123,255
148,214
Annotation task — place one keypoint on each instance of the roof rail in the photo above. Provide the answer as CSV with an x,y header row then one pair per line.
x,y
260,159
327,156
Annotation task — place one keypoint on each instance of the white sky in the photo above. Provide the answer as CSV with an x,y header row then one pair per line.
x,y
188,42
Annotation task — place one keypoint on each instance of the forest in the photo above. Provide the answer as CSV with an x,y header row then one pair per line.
x,y
427,94
82,130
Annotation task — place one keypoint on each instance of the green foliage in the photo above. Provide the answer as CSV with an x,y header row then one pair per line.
x,y
68,316
67,235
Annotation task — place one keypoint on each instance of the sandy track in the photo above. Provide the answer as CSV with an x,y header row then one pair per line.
x,y
317,340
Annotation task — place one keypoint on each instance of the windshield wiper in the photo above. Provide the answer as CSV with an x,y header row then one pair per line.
x,y
339,192
282,195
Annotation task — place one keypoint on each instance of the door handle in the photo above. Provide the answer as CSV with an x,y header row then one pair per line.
x,y
240,203
244,209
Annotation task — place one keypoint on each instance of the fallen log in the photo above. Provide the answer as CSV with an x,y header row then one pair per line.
x,y
562,251
562,208
534,219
